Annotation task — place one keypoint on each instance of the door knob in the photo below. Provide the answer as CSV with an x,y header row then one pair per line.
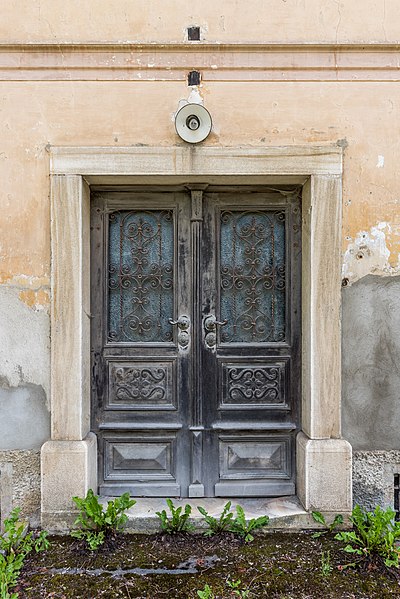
x,y
211,323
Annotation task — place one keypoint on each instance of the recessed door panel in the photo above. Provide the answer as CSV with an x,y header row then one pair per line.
x,y
142,384
261,384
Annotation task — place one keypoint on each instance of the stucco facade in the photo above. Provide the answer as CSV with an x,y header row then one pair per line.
x,y
295,74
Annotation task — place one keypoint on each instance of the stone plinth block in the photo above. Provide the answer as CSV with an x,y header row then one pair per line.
x,y
68,468
324,475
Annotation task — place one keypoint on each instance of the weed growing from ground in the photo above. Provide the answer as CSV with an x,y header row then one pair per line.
x,y
95,523
318,517
217,525
178,522
326,566
206,593
243,527
236,588
374,533
15,545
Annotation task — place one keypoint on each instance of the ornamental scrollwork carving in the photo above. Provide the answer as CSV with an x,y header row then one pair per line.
x,y
140,384
254,385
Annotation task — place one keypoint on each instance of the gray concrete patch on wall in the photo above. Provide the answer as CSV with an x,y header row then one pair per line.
x,y
24,401
371,365
25,342
25,419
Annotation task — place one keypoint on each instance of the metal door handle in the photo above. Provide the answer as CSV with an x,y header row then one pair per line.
x,y
183,322
211,323
210,326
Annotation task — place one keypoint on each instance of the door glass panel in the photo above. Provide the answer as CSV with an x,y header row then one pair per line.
x,y
252,275
140,276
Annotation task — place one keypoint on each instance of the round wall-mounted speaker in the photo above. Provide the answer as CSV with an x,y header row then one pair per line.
x,y
193,123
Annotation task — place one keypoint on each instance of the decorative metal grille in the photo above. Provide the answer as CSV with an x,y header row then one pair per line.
x,y
141,276
252,250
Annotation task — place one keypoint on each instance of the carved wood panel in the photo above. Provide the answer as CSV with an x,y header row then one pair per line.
x,y
142,385
254,385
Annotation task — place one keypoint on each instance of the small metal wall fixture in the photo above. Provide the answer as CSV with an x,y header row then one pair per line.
x,y
183,324
193,123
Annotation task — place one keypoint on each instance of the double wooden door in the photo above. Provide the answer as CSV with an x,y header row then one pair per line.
x,y
195,341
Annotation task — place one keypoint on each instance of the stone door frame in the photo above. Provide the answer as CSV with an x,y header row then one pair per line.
x,y
69,459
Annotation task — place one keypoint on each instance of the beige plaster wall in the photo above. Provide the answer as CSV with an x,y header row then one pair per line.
x,y
229,20
365,117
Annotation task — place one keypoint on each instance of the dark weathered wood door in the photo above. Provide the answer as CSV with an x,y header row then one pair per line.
x,y
250,350
141,378
195,342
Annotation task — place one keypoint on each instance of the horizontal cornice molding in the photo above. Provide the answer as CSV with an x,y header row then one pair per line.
x,y
217,62
202,161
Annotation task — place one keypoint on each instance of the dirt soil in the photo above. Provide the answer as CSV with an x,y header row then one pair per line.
x,y
284,565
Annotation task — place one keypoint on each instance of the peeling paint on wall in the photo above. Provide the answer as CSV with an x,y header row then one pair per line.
x,y
37,300
33,291
24,281
369,254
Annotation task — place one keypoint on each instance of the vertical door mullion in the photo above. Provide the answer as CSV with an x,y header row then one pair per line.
x,y
183,302
196,488
209,298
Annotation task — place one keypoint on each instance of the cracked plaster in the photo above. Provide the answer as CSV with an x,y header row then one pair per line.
x,y
368,254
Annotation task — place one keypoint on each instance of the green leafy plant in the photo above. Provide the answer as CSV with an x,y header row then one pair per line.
x,y
374,533
318,517
217,525
326,566
206,593
243,527
178,521
236,588
15,545
95,523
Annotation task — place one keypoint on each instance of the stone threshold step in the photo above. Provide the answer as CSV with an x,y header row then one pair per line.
x,y
285,513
